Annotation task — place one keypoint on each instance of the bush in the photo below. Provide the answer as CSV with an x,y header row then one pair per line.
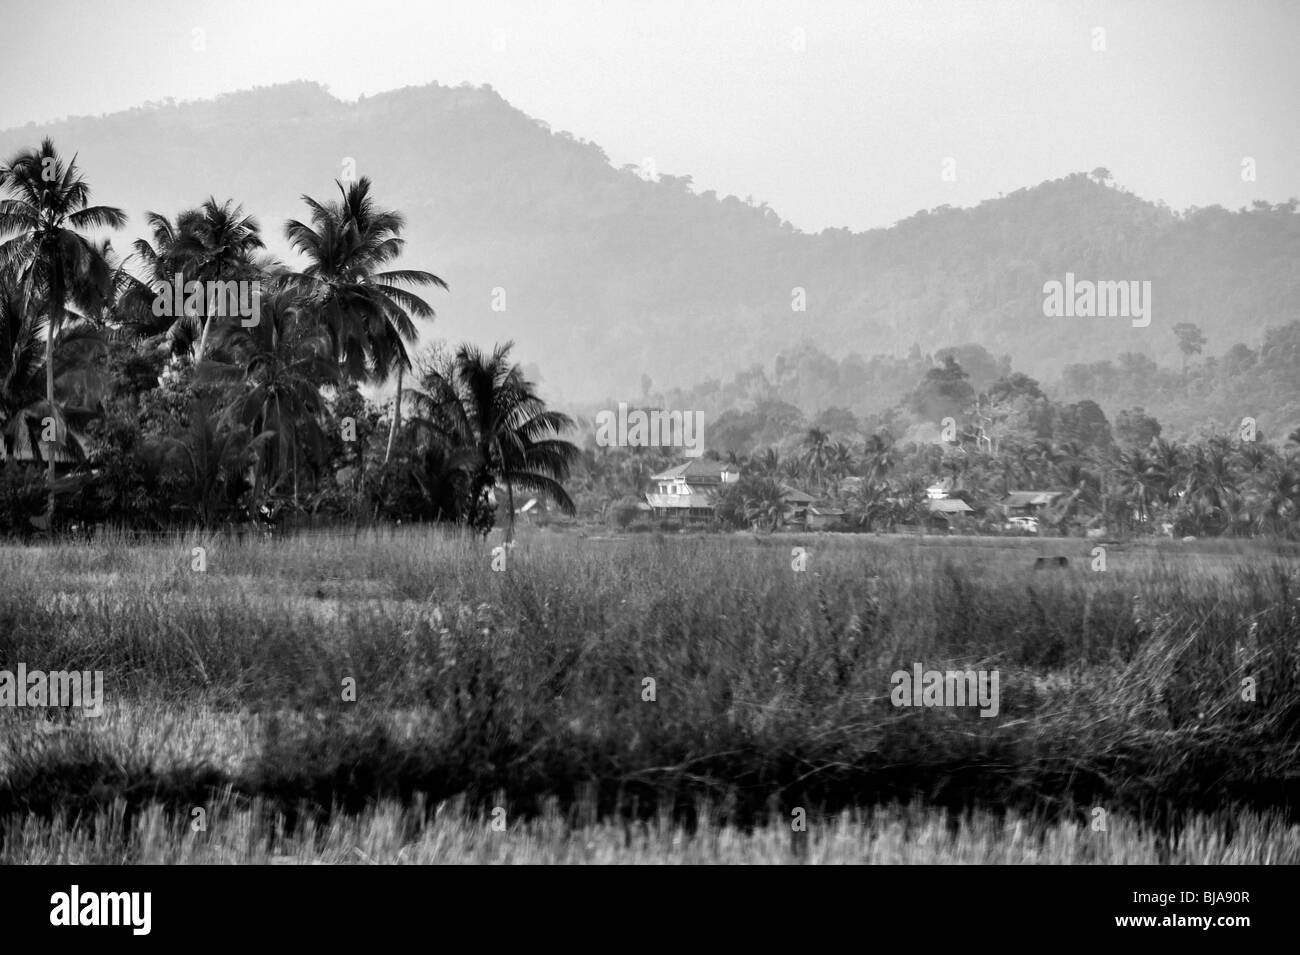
x,y
624,511
22,497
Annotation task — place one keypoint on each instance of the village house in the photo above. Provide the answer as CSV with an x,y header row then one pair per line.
x,y
804,509
943,508
1027,503
686,490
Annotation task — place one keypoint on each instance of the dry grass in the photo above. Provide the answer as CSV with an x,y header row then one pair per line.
x,y
394,835
1120,689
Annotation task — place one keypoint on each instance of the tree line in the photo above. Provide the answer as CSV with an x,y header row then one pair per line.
x,y
116,408
1120,476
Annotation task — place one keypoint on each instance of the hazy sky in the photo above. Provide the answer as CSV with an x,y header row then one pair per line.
x,y
834,114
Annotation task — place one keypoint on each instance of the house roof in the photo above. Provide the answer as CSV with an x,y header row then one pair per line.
x,y
681,501
949,505
697,471
792,495
1028,498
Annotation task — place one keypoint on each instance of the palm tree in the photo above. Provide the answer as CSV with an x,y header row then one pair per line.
x,y
219,245
764,504
485,403
362,304
1209,486
47,202
1275,498
22,371
163,259
216,242
879,455
768,463
283,360
1138,479
818,455
215,457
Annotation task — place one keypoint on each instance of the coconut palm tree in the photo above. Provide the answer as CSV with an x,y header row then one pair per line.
x,y
1138,480
215,242
215,457
1274,497
818,453
283,361
842,461
768,462
880,455
764,504
45,209
486,404
219,245
360,302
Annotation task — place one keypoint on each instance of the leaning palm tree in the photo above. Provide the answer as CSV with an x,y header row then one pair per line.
x,y
485,403
357,299
46,204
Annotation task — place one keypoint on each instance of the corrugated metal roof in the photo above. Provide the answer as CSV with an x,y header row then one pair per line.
x,y
950,505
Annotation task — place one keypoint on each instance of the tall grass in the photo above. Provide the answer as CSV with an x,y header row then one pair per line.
x,y
392,834
1120,689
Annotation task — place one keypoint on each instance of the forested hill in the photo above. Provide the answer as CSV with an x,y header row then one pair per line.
x,y
606,276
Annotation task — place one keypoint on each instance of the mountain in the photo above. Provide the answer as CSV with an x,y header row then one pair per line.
x,y
606,276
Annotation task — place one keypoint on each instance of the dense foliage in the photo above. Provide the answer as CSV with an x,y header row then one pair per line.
x,y
201,381
980,439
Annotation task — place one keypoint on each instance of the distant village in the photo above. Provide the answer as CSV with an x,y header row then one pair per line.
x,y
689,492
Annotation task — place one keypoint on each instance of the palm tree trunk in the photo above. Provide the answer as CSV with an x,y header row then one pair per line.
x,y
49,404
56,317
397,415
203,342
510,503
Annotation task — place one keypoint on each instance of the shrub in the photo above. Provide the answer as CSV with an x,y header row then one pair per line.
x,y
22,497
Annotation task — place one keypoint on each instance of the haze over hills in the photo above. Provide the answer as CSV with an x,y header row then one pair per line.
x,y
607,276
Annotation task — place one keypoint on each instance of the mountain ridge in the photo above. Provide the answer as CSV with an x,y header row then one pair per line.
x,y
606,276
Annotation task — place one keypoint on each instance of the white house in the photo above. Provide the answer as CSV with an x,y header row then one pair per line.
x,y
686,490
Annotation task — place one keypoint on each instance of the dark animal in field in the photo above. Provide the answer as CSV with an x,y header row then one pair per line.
x,y
1042,562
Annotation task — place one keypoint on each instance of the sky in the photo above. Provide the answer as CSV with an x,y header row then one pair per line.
x,y
835,114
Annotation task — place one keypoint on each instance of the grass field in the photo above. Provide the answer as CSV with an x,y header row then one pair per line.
x,y
513,701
